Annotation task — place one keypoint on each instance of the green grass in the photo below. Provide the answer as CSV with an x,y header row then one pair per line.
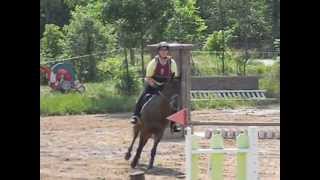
x,y
101,98
98,98
214,104
232,104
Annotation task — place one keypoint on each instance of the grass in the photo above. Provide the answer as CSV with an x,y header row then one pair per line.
x,y
213,104
98,98
101,98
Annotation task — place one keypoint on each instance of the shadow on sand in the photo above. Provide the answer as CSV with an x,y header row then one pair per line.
x,y
161,171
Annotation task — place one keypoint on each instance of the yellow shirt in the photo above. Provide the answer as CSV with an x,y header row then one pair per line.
x,y
153,64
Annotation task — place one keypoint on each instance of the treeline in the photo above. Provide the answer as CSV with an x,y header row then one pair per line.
x,y
79,27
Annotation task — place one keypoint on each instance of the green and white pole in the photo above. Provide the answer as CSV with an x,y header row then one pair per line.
x,y
242,142
252,160
216,159
188,150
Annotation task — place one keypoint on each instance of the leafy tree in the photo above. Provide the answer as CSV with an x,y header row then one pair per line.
x,y
86,35
251,27
186,25
51,42
53,12
73,3
137,21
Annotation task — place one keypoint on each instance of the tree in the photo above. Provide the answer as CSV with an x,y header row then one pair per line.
x,y
53,12
87,35
215,13
137,21
251,27
218,41
51,42
186,25
272,14
73,3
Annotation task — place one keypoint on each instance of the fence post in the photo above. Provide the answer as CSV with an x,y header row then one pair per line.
x,y
195,158
242,141
216,159
188,150
252,160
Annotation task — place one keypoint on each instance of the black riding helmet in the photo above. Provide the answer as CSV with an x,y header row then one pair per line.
x,y
163,44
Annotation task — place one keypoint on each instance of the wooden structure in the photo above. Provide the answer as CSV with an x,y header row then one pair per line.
x,y
181,53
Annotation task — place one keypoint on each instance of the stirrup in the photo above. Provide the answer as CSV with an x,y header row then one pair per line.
x,y
176,129
134,119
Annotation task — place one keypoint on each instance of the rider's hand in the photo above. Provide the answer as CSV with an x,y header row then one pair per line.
x,y
151,82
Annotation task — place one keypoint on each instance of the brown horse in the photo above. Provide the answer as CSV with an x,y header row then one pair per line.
x,y
153,120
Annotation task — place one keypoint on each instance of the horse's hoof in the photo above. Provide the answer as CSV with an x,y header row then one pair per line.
x,y
127,156
150,167
133,165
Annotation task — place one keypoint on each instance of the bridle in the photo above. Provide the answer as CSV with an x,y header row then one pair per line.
x,y
169,100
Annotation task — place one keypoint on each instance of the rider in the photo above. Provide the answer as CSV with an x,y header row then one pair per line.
x,y
158,70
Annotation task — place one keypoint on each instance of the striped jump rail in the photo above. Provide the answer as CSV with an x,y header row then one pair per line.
x,y
198,95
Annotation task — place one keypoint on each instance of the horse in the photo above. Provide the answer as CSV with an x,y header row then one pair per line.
x,y
153,120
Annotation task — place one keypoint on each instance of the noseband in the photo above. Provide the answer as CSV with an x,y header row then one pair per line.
x,y
169,100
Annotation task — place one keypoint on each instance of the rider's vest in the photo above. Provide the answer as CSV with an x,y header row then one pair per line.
x,y
162,72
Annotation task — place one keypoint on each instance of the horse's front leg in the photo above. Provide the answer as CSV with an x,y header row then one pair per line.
x,y
154,149
135,135
142,141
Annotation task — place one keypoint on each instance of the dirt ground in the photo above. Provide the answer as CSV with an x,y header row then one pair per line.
x,y
92,147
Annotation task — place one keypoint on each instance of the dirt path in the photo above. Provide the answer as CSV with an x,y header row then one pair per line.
x,y
93,146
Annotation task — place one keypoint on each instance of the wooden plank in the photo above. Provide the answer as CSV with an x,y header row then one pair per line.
x,y
137,175
226,150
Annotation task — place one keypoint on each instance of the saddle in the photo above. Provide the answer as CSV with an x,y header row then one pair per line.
x,y
145,99
173,104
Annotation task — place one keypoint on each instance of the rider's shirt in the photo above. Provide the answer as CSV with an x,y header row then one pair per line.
x,y
158,71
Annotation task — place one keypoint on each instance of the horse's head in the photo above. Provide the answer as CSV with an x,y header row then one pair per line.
x,y
171,91
171,86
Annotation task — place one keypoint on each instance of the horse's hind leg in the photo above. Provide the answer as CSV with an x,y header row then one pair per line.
x,y
156,141
135,134
142,141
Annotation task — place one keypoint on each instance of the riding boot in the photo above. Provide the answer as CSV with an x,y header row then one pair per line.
x,y
136,115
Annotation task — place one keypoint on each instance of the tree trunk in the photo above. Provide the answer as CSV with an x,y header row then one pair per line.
x,y
92,61
275,19
127,69
142,59
92,68
222,58
132,58
246,56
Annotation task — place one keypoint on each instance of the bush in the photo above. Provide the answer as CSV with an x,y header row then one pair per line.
x,y
113,69
271,81
109,68
256,68
127,83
